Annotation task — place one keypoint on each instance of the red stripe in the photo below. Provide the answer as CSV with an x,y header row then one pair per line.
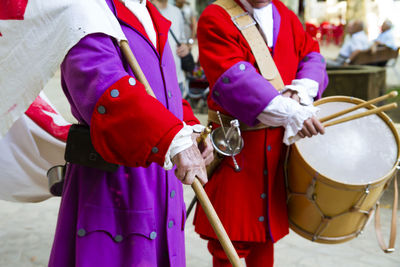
x,y
12,9
35,113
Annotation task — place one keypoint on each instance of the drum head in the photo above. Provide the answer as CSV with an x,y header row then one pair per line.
x,y
357,152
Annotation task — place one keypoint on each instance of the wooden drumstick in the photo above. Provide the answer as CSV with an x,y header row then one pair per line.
x,y
372,101
362,114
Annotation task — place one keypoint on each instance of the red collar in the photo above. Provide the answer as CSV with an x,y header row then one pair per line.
x,y
161,24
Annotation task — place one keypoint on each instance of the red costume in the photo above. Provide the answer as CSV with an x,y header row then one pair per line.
x,y
251,203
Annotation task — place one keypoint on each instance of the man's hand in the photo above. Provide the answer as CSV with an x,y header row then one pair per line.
x,y
206,148
292,94
311,127
182,50
189,164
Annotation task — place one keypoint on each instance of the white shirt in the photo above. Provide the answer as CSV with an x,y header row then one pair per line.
x,y
387,38
139,9
263,17
357,41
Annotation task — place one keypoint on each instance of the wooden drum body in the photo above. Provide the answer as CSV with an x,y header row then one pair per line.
x,y
334,180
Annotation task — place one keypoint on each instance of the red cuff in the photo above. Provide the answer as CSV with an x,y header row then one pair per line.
x,y
131,128
188,116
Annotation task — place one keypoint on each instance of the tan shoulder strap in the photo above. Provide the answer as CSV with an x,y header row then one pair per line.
x,y
247,26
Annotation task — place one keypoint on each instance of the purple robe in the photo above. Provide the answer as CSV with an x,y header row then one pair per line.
x,y
135,216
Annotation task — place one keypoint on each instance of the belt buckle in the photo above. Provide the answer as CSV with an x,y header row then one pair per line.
x,y
245,26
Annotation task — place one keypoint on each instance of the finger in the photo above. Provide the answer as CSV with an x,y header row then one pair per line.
x,y
209,159
288,93
201,174
189,177
310,127
318,125
180,173
301,134
296,97
305,131
206,151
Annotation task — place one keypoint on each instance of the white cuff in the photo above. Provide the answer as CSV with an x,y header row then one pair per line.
x,y
198,128
181,141
306,89
286,112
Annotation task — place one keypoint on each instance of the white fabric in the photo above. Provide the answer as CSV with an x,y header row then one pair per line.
x,y
306,89
181,141
263,16
387,38
357,41
286,112
27,152
138,8
174,14
32,49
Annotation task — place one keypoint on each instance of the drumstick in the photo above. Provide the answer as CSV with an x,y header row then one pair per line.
x,y
362,114
372,101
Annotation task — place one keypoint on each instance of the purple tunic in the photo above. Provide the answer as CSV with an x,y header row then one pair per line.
x,y
135,216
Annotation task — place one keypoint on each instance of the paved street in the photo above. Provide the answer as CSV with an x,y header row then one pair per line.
x,y
26,230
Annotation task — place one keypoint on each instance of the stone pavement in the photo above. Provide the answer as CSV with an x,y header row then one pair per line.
x,y
26,230
26,233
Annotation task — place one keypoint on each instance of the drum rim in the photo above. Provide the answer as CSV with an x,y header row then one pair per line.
x,y
383,116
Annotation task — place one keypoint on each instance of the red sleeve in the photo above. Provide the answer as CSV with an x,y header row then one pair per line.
x,y
221,42
188,116
131,128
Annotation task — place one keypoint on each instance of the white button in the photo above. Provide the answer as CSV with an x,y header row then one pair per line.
x,y
132,81
114,93
153,235
101,109
242,67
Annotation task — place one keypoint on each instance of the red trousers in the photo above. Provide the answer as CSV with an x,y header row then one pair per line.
x,y
255,254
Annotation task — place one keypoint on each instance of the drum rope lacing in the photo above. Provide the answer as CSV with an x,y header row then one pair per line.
x,y
326,219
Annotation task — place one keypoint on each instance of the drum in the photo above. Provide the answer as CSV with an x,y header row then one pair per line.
x,y
334,180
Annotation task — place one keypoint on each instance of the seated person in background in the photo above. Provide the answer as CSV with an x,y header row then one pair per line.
x,y
357,41
386,37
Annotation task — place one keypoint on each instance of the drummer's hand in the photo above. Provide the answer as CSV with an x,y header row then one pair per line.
x,y
189,164
311,127
206,148
292,94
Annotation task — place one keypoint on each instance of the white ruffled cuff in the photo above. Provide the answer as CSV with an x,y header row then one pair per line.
x,y
181,141
306,89
286,112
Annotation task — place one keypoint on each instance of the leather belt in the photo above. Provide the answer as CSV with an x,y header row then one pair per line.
x,y
226,120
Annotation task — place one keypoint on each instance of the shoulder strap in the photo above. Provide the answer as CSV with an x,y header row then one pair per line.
x,y
247,26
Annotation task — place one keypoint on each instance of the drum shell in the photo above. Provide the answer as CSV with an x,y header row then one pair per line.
x,y
327,211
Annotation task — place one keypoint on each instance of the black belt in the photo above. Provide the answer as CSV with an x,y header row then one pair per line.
x,y
80,150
